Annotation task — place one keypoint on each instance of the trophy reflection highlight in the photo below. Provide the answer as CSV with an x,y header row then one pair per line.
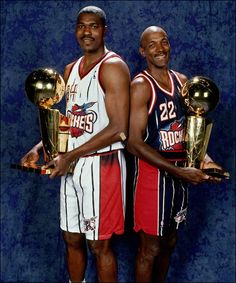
x,y
200,96
45,87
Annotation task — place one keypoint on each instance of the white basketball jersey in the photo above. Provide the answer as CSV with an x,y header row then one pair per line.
x,y
86,105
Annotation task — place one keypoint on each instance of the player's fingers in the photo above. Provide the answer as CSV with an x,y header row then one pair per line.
x,y
50,164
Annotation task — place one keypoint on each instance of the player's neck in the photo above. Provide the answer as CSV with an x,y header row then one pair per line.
x,y
91,58
161,75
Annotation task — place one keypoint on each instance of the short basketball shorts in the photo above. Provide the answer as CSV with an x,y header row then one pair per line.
x,y
93,197
160,202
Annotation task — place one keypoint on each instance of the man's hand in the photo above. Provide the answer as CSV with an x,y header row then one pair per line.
x,y
192,175
196,176
210,164
222,174
60,165
30,159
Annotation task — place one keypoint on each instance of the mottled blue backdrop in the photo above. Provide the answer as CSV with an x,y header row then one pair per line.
x,y
41,33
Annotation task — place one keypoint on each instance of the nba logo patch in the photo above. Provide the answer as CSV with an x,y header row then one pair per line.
x,y
89,224
181,216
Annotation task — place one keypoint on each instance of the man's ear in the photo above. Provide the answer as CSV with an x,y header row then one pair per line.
x,y
141,51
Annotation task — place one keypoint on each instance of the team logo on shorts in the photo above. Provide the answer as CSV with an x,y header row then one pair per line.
x,y
89,224
181,216
82,119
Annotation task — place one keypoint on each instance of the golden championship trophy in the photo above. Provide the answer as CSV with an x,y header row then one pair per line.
x,y
200,95
44,88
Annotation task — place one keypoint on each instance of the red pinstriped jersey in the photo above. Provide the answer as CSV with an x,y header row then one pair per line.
x,y
166,118
86,104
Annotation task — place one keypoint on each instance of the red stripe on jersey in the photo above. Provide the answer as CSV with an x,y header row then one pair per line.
x,y
147,199
111,209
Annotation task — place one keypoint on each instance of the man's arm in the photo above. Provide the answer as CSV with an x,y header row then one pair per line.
x,y
140,95
115,80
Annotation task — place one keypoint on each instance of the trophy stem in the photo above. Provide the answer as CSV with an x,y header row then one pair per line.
x,y
194,139
206,139
49,126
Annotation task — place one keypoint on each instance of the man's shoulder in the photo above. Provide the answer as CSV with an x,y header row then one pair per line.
x,y
72,63
114,63
68,69
114,70
113,58
183,78
140,78
141,81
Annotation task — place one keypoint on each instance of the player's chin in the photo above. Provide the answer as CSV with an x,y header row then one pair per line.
x,y
161,63
88,48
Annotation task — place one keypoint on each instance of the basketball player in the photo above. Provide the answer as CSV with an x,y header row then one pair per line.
x,y
97,103
156,138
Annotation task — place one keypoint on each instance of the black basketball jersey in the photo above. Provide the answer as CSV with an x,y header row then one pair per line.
x,y
166,118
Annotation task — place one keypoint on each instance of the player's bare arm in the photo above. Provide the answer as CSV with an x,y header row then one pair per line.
x,y
115,80
140,94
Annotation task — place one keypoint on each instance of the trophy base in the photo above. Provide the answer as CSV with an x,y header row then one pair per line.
x,y
38,169
218,173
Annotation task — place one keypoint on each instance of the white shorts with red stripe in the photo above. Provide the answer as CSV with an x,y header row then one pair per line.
x,y
93,197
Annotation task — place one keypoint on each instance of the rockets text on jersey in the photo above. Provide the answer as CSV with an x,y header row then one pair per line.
x,y
82,119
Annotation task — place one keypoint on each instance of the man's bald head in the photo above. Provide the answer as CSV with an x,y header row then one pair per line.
x,y
148,31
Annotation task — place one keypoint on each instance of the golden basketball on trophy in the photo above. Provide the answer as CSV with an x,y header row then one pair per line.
x,y
45,87
200,95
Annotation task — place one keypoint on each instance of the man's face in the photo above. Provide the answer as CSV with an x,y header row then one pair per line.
x,y
90,32
156,48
